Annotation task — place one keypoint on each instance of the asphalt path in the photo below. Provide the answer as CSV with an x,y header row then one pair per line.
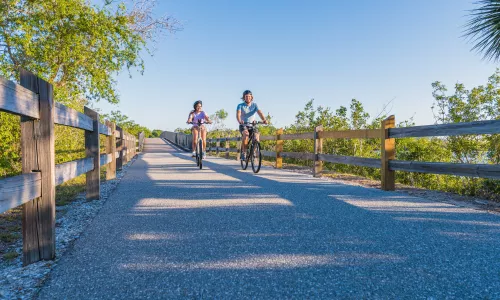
x,y
171,230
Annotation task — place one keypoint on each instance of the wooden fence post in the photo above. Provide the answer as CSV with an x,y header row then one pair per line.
x,y
388,152
141,141
111,149
125,153
128,147
217,144
318,149
38,154
92,149
279,148
133,142
125,147
227,147
119,160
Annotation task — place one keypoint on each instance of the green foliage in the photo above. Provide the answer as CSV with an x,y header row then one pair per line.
x,y
10,145
10,255
183,130
79,48
156,133
483,29
72,44
218,119
480,103
125,123
8,237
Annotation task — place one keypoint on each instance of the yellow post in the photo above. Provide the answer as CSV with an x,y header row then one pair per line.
x,y
388,152
318,149
279,148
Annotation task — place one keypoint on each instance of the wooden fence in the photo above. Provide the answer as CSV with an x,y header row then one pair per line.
x,y
387,162
180,139
35,187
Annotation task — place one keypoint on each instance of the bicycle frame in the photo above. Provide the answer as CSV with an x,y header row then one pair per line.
x,y
199,147
252,143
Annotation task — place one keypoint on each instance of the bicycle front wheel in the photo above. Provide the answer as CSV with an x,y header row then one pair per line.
x,y
200,153
244,162
256,157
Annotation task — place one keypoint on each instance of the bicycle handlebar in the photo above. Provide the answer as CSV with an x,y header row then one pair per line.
x,y
199,123
254,123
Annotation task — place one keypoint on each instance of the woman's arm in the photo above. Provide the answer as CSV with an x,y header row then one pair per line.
x,y
208,119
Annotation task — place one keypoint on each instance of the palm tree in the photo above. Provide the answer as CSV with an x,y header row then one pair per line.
x,y
484,29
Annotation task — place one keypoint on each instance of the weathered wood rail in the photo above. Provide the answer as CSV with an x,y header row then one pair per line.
x,y
387,161
35,188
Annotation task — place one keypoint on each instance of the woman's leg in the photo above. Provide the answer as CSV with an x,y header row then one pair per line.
x,y
204,137
195,137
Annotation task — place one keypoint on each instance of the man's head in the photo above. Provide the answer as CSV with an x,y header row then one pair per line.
x,y
247,96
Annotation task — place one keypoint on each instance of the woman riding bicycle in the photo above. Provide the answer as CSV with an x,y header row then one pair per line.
x,y
197,117
245,114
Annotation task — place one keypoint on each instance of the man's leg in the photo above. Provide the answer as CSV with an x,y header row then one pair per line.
x,y
244,143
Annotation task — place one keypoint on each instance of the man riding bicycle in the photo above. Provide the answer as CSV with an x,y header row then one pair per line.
x,y
245,114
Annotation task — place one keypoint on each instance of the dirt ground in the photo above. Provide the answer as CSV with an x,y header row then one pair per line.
x,y
459,200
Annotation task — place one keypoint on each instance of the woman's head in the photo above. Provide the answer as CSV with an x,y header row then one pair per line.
x,y
198,105
247,96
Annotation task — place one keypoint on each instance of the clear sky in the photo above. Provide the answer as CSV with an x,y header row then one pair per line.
x,y
288,52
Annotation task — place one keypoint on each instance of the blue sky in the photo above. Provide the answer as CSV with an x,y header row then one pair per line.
x,y
288,52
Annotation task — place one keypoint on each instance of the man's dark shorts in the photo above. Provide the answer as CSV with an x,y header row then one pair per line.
x,y
249,127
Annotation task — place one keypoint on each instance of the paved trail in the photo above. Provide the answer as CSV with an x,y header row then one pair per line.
x,y
171,230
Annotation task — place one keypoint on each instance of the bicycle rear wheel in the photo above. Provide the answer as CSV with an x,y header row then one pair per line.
x,y
200,153
256,157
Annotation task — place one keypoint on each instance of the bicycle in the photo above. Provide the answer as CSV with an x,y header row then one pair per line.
x,y
199,146
253,150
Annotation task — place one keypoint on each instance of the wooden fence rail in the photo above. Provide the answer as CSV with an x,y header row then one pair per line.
x,y
32,99
387,161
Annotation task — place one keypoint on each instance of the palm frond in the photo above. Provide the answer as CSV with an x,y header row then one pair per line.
x,y
483,29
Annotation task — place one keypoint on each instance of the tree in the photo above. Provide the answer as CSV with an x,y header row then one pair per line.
x,y
156,133
125,123
477,104
218,119
76,46
483,29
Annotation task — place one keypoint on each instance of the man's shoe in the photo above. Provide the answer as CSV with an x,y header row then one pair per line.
x,y
242,156
204,156
193,154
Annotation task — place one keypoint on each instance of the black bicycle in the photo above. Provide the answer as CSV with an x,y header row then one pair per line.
x,y
199,146
253,149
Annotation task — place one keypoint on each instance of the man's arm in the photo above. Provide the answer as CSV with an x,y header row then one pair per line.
x,y
262,117
238,116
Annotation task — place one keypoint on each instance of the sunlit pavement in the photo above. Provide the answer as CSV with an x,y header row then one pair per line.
x,y
171,230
